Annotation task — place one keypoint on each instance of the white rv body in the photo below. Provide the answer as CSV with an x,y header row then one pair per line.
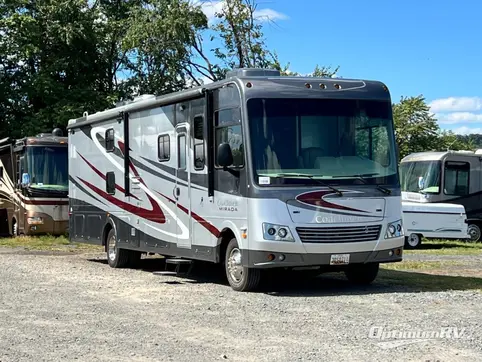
x,y
435,220
186,196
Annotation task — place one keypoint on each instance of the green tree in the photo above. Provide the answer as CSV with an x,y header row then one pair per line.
x,y
239,42
416,129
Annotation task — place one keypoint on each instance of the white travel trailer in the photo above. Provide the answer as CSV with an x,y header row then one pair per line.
x,y
433,221
255,171
453,177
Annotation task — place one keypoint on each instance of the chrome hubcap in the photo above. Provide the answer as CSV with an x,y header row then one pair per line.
x,y
234,265
413,240
474,232
112,248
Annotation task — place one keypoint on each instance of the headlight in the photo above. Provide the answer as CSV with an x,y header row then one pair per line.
x,y
37,220
394,230
277,232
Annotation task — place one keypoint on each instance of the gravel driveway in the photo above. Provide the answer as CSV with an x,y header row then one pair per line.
x,y
75,307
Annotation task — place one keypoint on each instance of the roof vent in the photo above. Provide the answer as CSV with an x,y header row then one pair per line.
x,y
253,72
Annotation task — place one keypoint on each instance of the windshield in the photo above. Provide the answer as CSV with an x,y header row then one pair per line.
x,y
420,176
47,167
330,139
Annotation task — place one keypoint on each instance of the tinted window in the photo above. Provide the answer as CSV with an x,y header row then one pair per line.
x,y
456,178
163,150
198,142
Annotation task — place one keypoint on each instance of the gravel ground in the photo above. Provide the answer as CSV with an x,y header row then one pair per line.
x,y
75,307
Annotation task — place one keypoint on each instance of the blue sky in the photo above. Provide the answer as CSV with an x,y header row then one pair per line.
x,y
416,47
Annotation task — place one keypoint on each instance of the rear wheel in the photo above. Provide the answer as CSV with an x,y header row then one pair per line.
x,y
362,274
240,278
117,258
474,233
413,241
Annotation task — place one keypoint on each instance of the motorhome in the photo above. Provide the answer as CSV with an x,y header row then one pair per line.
x,y
453,177
34,185
433,221
254,171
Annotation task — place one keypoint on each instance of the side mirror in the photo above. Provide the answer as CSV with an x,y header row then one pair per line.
x,y
25,179
225,155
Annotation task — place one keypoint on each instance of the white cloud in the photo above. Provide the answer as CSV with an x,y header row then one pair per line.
x,y
456,104
269,15
459,117
211,7
467,130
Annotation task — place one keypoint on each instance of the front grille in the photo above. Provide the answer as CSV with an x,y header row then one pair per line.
x,y
346,234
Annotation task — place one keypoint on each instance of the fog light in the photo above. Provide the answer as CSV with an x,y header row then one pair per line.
x,y
271,257
398,251
281,257
390,253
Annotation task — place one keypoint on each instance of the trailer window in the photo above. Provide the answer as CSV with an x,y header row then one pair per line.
x,y
109,140
199,142
110,183
228,130
181,152
163,148
456,178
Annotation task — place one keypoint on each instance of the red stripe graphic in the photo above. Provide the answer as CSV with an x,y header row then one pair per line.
x,y
211,228
119,188
316,198
155,215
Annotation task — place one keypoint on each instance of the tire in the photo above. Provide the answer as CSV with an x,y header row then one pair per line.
x,y
474,233
362,274
116,258
413,241
240,278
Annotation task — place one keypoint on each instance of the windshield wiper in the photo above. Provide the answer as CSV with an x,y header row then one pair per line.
x,y
338,192
381,188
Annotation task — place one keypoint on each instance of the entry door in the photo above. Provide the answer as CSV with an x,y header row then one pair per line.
x,y
182,189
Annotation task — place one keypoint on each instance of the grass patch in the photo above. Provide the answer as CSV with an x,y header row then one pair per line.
x,y
429,282
421,265
50,243
447,247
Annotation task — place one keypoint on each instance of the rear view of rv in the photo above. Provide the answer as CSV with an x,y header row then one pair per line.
x,y
34,185
256,171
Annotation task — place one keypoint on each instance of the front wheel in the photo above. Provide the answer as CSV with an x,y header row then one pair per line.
x,y
240,278
362,274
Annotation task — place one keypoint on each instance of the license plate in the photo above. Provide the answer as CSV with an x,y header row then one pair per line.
x,y
339,259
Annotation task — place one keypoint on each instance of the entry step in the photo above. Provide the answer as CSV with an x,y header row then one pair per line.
x,y
178,261
188,264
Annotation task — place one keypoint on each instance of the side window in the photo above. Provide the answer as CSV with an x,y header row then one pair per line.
x,y
163,148
110,183
109,140
181,152
456,178
199,157
228,130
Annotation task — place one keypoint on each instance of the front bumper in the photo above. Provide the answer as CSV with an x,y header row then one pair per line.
x,y
261,259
